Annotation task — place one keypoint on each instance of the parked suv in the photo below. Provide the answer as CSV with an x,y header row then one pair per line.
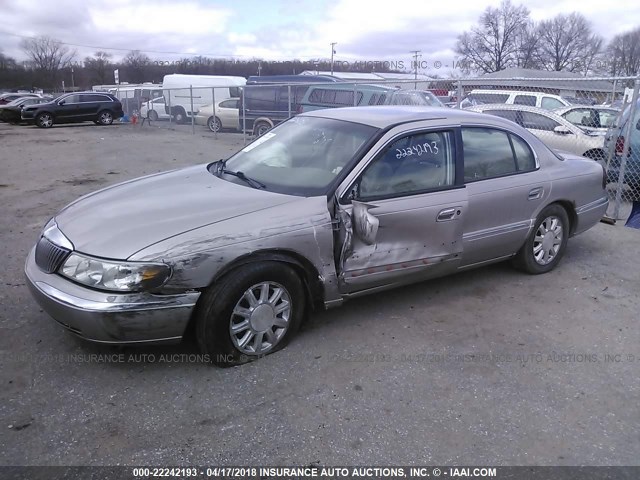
x,y
542,100
266,99
97,107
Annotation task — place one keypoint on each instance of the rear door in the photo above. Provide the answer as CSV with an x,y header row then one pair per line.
x,y
88,106
401,211
505,190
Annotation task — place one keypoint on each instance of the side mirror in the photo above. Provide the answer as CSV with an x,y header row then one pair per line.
x,y
61,102
562,130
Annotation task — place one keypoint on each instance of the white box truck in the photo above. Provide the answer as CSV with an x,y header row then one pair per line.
x,y
179,90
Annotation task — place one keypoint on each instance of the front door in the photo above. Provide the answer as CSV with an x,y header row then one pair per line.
x,y
400,219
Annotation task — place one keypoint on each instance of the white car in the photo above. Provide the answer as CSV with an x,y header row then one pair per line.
x,y
154,109
226,115
555,131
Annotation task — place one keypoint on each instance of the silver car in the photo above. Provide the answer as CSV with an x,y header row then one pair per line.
x,y
330,205
555,131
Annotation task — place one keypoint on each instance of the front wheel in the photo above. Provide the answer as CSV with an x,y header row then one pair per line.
x,y
105,118
44,120
251,312
546,243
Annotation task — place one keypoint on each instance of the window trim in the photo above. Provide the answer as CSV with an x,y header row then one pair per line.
x,y
509,133
458,180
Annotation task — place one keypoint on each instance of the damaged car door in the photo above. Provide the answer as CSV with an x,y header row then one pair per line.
x,y
400,217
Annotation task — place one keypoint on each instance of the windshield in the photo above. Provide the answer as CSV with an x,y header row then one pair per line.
x,y
302,156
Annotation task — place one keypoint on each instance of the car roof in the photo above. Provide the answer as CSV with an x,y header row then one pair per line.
x,y
509,106
385,115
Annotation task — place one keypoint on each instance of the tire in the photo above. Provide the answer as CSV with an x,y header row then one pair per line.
x,y
152,115
179,115
261,128
214,124
105,117
549,240
218,308
44,120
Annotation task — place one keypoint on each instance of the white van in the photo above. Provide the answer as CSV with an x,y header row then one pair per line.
x,y
178,98
543,100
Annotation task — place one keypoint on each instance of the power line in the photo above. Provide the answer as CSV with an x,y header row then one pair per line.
x,y
157,52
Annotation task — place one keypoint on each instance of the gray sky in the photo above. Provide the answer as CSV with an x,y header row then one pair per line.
x,y
277,29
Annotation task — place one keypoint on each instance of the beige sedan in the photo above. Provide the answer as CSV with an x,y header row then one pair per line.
x,y
226,115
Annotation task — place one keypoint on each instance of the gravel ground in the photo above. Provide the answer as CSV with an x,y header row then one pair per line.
x,y
486,367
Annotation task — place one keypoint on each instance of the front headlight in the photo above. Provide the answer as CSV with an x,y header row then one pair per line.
x,y
116,276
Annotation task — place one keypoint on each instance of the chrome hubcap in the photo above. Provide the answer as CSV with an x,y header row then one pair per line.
x,y
548,240
105,117
260,319
45,120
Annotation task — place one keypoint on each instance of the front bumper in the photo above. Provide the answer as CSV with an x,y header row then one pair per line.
x,y
107,317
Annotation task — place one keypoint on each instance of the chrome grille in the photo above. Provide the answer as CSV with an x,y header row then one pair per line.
x,y
49,256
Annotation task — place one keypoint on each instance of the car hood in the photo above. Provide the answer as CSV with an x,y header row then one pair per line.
x,y
118,221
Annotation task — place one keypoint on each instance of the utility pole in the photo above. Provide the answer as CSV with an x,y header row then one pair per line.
x,y
333,51
416,55
259,68
73,83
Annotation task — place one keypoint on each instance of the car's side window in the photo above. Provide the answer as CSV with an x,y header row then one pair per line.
x,y
487,153
412,164
525,159
536,121
525,100
550,103
507,114
71,99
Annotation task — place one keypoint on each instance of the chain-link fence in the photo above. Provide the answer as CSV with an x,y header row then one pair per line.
x,y
592,117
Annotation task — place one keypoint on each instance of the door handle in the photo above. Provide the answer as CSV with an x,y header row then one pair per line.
x,y
446,214
535,193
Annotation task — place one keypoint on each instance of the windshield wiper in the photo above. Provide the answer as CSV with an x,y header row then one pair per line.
x,y
220,169
242,176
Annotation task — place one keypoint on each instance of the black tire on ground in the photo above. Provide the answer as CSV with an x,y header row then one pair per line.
x,y
153,115
214,124
105,118
179,115
260,128
44,120
218,307
539,254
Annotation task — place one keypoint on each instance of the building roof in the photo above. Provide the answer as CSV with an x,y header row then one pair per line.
x,y
525,77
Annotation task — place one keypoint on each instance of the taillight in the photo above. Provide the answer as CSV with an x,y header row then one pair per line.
x,y
619,145
299,109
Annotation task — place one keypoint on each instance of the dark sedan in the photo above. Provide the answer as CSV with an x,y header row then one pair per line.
x,y
11,111
100,108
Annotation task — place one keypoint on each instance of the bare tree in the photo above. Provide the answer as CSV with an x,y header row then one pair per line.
x,y
624,54
99,66
528,44
567,43
47,56
137,66
492,45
